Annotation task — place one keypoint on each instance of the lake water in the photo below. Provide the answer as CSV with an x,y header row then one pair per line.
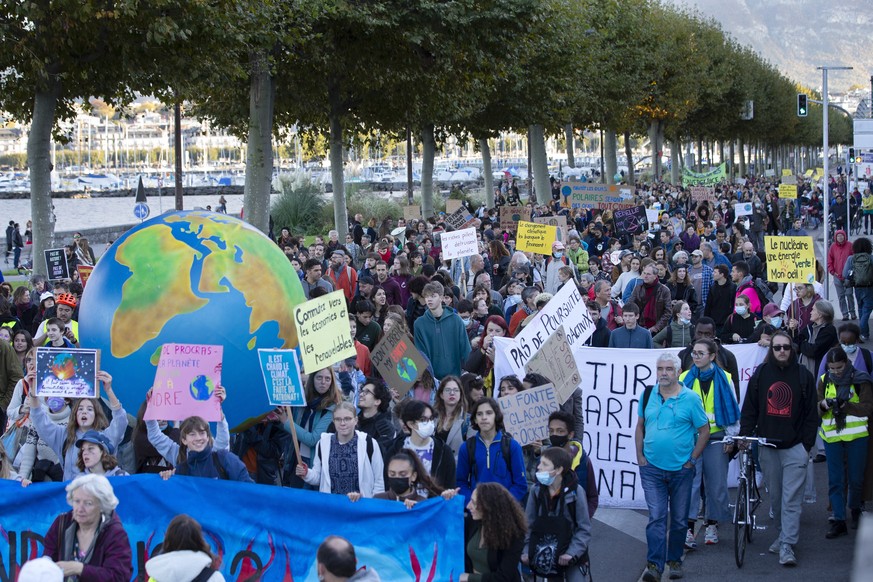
x,y
84,213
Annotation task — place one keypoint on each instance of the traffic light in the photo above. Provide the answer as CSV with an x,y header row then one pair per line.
x,y
802,105
851,155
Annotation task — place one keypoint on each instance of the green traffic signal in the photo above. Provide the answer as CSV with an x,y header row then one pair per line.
x,y
802,105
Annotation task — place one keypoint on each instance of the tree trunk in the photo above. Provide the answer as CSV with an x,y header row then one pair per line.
x,y
655,147
340,214
610,156
699,154
486,172
259,150
39,160
540,164
428,151
742,159
410,184
731,167
177,150
571,154
675,162
628,152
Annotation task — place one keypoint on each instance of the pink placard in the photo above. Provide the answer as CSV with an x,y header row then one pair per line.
x,y
185,383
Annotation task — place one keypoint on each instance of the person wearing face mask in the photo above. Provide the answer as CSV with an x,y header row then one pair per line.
x,y
773,321
740,324
557,508
419,426
407,477
555,262
678,334
561,435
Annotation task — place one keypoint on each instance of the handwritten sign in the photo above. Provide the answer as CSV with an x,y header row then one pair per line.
x,y
631,220
324,332
453,205
281,372
56,264
576,194
743,209
67,372
559,222
653,215
398,360
789,179
510,216
535,238
459,243
790,259
555,361
460,219
526,413
185,383
787,191
412,212
786,172
703,194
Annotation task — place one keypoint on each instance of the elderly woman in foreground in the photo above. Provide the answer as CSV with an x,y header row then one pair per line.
x,y
89,543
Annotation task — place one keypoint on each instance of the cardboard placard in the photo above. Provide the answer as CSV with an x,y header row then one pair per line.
x,y
789,179
703,194
453,205
281,372
67,372
787,191
576,194
653,215
555,361
743,209
459,243
459,219
56,264
510,216
526,413
535,238
185,383
398,360
790,259
324,332
559,222
631,220
84,273
412,212
786,172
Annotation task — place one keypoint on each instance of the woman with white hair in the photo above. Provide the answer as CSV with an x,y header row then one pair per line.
x,y
89,543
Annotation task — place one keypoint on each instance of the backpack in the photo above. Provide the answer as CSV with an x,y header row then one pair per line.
x,y
183,469
205,574
505,441
765,294
550,537
862,270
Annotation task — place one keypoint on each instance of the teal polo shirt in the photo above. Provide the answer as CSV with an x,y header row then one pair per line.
x,y
671,428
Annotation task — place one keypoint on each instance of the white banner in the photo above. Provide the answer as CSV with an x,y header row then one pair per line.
x,y
613,382
459,243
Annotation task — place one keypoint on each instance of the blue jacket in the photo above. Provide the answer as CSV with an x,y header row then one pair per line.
x,y
491,467
443,342
201,464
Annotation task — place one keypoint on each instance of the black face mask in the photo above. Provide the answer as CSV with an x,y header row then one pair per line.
x,y
398,485
558,440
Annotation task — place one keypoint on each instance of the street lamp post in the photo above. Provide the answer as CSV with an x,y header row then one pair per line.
x,y
827,202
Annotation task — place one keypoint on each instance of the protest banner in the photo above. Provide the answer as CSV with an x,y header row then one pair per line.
x,y
412,212
808,173
631,220
787,191
711,178
281,372
459,243
743,209
453,205
185,383
67,372
703,194
559,222
526,413
613,382
510,216
460,219
769,173
790,179
428,538
555,361
790,259
587,195
535,238
56,264
653,215
786,172
398,360
323,330
84,273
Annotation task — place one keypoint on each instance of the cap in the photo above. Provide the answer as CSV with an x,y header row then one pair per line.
x,y
557,245
92,436
46,295
772,309
624,253
66,299
338,252
366,280
697,252
41,570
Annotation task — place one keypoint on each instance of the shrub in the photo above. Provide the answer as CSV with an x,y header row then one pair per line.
x,y
300,205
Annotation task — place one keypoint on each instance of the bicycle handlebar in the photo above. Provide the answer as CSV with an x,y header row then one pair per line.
x,y
745,439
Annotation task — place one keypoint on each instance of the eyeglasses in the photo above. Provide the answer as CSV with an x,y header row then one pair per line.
x,y
699,354
452,391
367,392
781,347
343,420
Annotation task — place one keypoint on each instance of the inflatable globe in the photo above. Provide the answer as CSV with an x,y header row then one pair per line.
x,y
191,277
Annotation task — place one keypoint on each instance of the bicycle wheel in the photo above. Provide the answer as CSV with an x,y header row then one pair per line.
x,y
753,501
741,524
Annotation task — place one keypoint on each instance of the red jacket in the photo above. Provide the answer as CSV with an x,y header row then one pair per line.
x,y
838,254
347,281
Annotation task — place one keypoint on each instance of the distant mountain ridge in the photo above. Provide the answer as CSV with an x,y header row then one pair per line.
x,y
797,36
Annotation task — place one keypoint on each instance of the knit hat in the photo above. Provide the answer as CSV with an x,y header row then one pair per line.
x,y
46,295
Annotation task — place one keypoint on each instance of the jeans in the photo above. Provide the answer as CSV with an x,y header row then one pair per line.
x,y
713,467
785,471
846,457
864,297
846,297
666,490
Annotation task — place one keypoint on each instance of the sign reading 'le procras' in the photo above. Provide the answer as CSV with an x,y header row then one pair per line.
x,y
324,332
790,259
535,238
185,383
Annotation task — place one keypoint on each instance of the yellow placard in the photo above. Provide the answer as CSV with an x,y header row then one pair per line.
x,y
787,191
535,238
323,330
786,172
790,259
808,173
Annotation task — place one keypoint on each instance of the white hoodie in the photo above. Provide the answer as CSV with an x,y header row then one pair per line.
x,y
180,566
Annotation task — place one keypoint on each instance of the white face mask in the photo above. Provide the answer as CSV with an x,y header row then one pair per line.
x,y
741,310
425,429
466,322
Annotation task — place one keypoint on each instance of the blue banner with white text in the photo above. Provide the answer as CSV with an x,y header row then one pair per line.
x,y
255,529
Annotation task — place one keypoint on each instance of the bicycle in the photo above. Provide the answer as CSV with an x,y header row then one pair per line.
x,y
748,497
